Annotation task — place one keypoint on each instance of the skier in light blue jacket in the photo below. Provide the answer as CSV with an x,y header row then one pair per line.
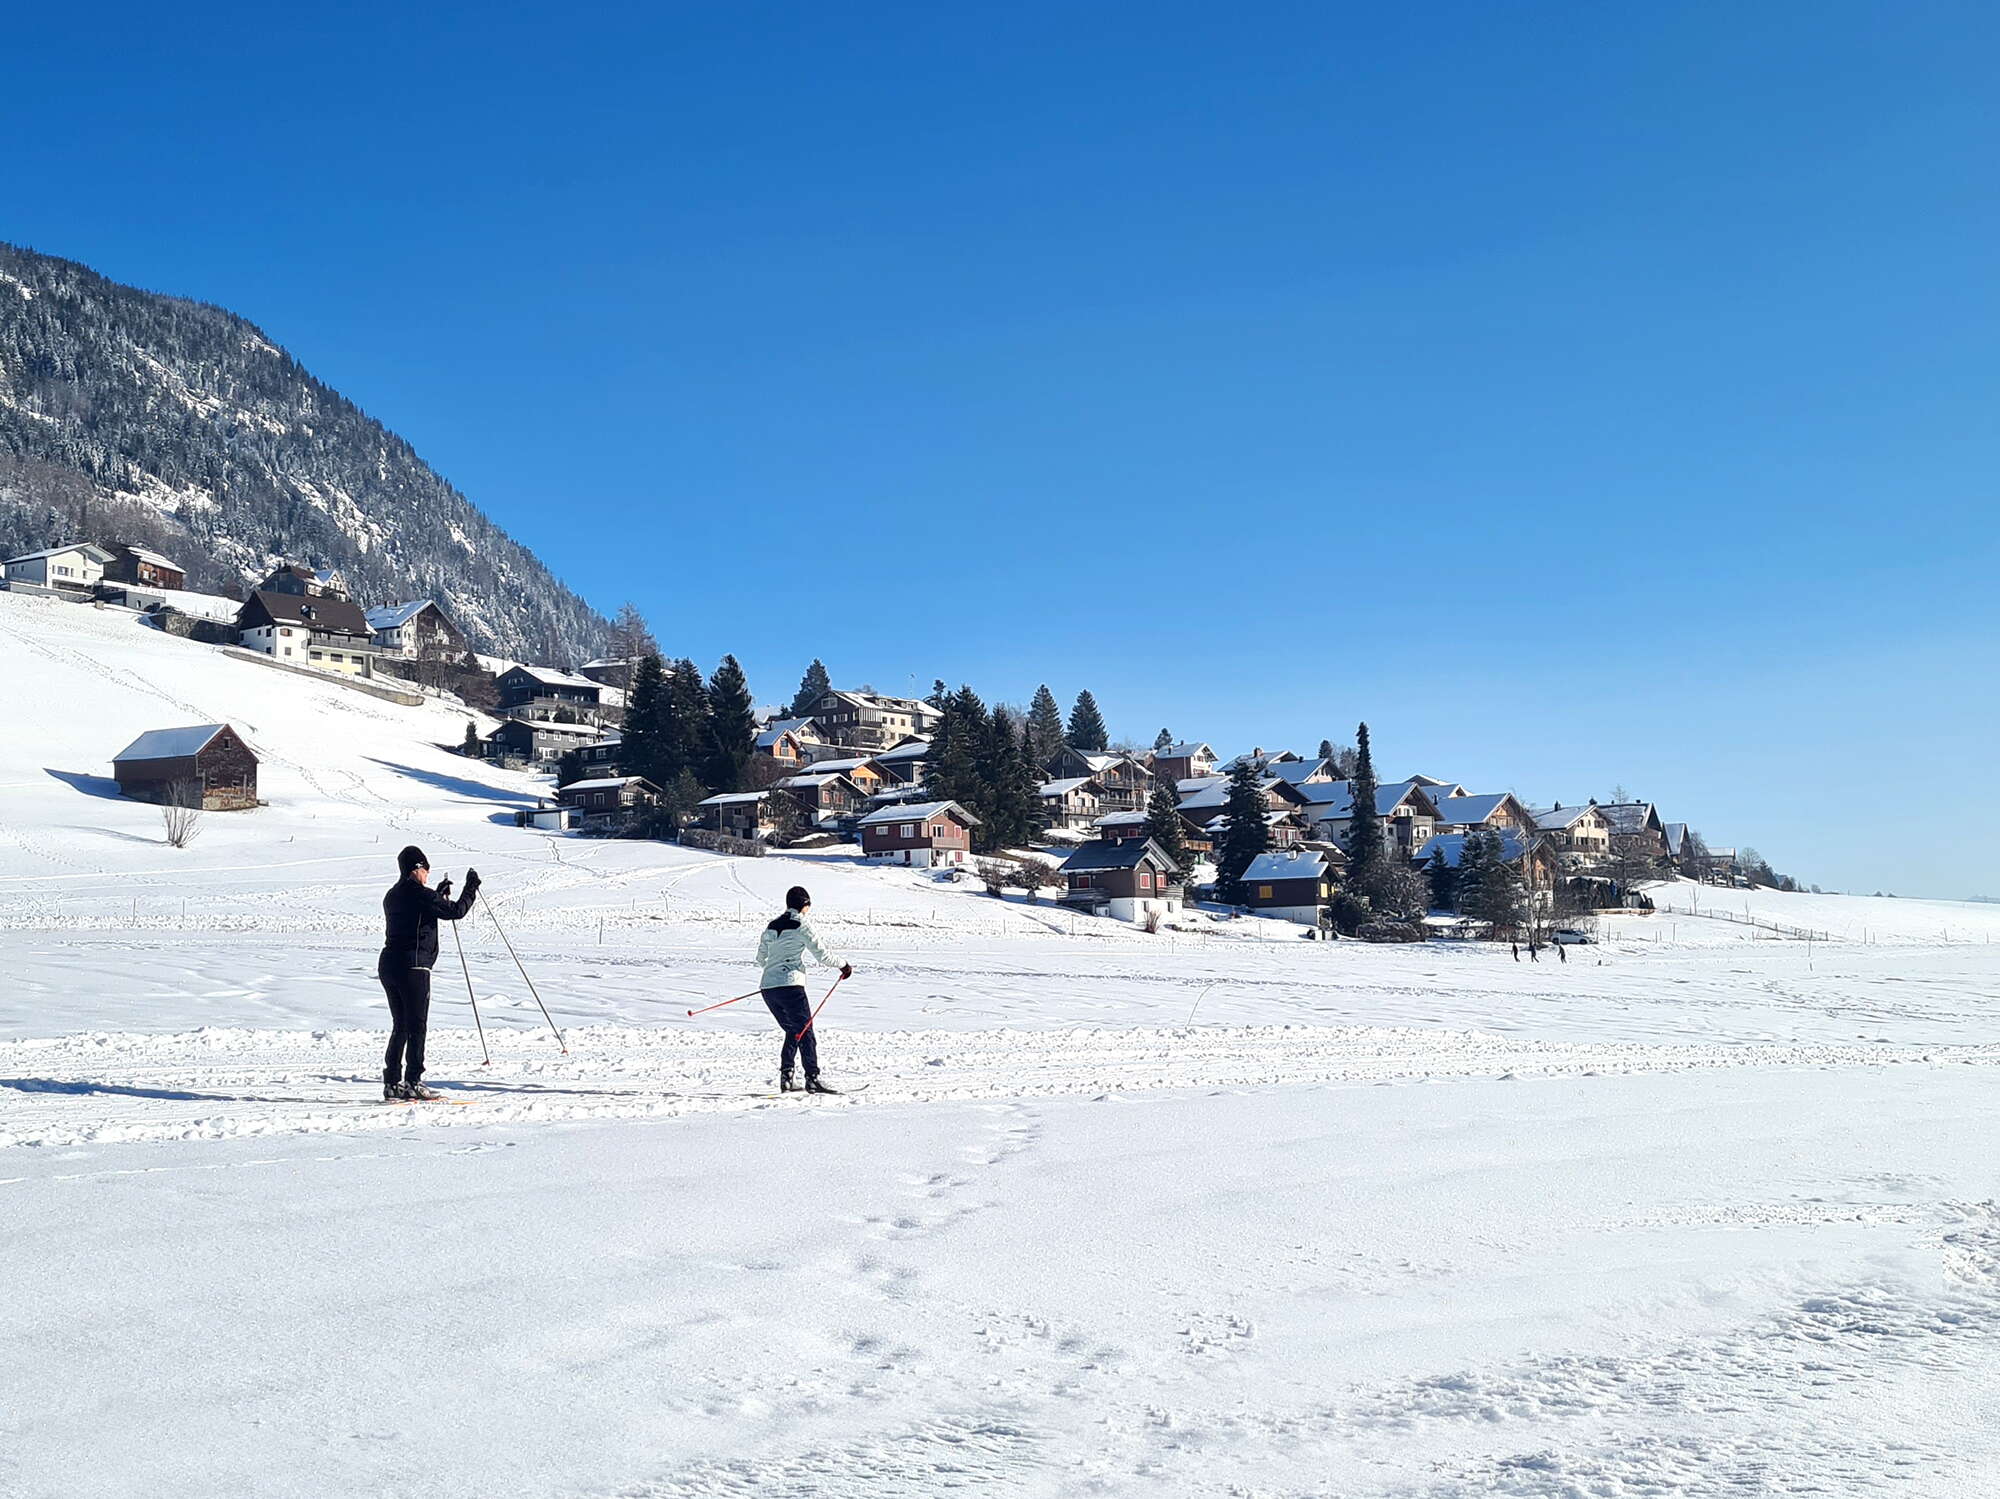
x,y
781,952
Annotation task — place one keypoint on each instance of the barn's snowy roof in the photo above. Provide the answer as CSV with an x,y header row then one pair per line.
x,y
392,616
170,744
1293,864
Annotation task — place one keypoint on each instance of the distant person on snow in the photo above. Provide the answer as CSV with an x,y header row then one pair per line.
x,y
409,948
781,953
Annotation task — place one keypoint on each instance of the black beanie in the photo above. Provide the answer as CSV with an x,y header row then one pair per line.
x,y
411,858
796,898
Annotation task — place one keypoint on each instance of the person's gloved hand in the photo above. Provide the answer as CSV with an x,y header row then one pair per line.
x,y
471,881
847,970
444,887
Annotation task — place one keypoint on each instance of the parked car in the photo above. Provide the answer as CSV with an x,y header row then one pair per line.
x,y
1569,936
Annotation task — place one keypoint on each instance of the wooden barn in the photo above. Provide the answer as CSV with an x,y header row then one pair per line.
x,y
212,756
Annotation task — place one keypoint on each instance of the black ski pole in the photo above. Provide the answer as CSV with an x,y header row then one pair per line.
x,y
525,979
459,942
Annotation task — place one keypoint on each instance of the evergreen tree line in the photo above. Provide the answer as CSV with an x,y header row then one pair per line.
x,y
691,737
983,760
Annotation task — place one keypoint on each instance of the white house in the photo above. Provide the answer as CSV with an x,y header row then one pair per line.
x,y
77,567
414,629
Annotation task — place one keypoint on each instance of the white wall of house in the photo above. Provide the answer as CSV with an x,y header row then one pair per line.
x,y
1303,915
1137,908
71,569
919,858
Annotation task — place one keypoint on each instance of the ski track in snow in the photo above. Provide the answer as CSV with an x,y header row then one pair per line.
x,y
232,1083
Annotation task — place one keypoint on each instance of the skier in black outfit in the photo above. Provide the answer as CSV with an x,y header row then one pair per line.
x,y
409,948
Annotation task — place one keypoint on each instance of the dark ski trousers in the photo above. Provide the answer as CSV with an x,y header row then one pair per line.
x,y
409,991
791,1009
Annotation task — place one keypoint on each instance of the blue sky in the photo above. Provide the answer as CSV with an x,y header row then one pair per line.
x,y
1584,395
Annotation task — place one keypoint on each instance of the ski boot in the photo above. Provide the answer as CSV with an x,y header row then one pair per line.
x,y
787,1083
418,1093
394,1092
814,1085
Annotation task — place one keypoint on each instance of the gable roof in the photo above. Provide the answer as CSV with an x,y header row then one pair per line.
x,y
1676,837
1335,799
1555,819
1450,847
1468,811
910,749
1290,864
392,616
550,676
170,744
147,554
732,798
1296,771
1125,854
1064,788
313,611
1182,751
1629,817
96,553
600,782
839,767
1120,819
918,812
778,730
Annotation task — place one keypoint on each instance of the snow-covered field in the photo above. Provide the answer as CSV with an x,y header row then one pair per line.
x,y
1702,1210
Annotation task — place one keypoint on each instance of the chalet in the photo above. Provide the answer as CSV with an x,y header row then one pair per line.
x,y
1434,787
1681,849
1639,822
871,721
601,757
1493,811
1129,879
164,765
416,631
1578,835
601,800
318,630
1313,772
1202,801
611,671
309,582
751,815
922,834
829,798
1115,827
545,688
1072,803
904,764
858,769
1286,828
146,569
538,741
1123,783
1407,815
1294,885
1261,758
784,743
77,567
1525,848
1181,762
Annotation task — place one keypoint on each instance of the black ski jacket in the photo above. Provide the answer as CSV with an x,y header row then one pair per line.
x,y
413,912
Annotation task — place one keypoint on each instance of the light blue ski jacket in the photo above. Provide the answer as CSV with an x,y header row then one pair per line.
x,y
782,955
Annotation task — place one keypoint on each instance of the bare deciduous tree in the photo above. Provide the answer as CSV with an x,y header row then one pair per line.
x,y
180,812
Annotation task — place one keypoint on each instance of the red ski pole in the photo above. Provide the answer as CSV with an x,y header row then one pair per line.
x,y
706,1008
822,1005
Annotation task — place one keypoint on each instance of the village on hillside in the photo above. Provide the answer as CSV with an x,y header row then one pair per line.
x,y
638,747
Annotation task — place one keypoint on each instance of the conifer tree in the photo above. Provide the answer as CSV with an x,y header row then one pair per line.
x,y
1163,821
629,642
1443,881
646,747
1474,862
1011,798
813,686
1247,835
1363,843
1326,751
470,746
1086,725
1162,740
1496,894
732,727
1045,726
684,723
952,769
940,694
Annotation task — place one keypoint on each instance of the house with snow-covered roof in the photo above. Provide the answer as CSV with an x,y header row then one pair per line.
x,y
1179,762
143,567
829,795
76,567
1073,802
1292,884
1127,879
602,800
1493,810
206,765
922,835
317,630
546,688
1123,781
1579,834
415,631
307,582
903,764
1405,813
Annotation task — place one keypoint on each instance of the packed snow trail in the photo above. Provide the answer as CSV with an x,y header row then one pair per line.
x,y
229,1084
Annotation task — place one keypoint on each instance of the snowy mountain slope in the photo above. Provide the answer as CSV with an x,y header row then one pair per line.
x,y
182,425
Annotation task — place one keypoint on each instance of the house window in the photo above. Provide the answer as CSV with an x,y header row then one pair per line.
x,y
1263,892
1145,880
909,830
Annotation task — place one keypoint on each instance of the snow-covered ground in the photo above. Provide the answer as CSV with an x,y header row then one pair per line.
x,y
1701,1210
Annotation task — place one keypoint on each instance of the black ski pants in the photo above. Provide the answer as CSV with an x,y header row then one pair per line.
x,y
791,1009
409,991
